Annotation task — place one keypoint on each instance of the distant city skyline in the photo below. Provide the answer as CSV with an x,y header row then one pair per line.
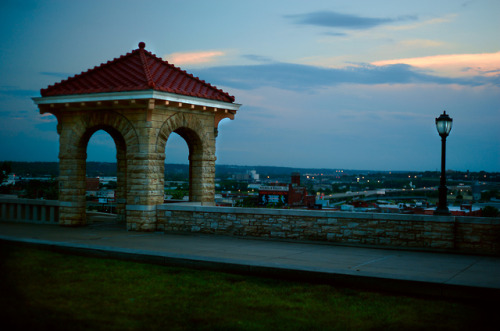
x,y
323,84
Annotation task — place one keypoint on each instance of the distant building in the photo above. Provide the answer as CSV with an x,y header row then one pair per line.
x,y
92,186
254,175
250,175
254,186
11,180
476,191
286,194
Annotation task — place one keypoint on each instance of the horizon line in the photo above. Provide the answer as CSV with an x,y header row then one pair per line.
x,y
277,166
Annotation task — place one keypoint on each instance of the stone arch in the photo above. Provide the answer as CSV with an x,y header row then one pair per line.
x,y
112,122
74,138
201,144
179,122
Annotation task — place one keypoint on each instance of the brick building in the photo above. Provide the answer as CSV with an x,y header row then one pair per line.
x,y
286,194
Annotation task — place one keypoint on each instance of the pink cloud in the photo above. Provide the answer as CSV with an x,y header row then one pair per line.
x,y
454,64
193,57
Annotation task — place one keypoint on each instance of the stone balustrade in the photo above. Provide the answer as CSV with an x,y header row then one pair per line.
x,y
477,235
29,210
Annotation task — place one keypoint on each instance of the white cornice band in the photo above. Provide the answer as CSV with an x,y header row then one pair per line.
x,y
129,95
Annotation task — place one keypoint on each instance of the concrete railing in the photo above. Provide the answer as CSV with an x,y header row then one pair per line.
x,y
443,233
29,210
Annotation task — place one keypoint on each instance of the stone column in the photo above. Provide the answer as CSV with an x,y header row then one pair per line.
x,y
145,189
202,179
72,184
121,186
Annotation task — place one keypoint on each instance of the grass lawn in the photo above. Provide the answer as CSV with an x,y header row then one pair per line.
x,y
41,289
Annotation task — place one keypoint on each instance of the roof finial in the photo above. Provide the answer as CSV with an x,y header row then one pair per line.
x,y
142,45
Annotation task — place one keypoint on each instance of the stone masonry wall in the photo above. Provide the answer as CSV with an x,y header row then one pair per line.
x,y
462,234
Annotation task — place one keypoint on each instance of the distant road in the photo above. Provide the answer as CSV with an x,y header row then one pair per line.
x,y
380,192
385,191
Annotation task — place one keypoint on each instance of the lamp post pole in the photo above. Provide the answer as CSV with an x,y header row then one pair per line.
x,y
443,125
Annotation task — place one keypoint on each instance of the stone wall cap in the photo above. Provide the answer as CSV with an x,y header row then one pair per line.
x,y
316,213
37,202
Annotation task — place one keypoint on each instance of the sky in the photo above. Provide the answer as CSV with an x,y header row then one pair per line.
x,y
323,84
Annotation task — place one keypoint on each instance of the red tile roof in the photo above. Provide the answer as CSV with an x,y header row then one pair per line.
x,y
134,71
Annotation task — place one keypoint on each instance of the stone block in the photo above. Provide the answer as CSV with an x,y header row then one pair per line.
x,y
472,239
331,236
407,236
359,233
440,244
326,229
322,221
384,241
331,221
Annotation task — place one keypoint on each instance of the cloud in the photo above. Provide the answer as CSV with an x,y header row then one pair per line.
x,y
258,58
335,34
297,77
337,20
193,57
467,3
485,64
432,21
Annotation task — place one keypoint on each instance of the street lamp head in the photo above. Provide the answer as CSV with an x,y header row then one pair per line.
x,y
443,124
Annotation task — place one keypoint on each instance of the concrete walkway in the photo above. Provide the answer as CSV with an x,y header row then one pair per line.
x,y
410,272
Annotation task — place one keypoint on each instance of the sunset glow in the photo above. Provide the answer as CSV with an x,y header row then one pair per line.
x,y
193,57
487,64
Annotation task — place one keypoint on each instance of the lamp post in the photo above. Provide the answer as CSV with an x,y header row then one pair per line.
x,y
443,125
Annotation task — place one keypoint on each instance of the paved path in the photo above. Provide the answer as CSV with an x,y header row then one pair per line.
x,y
412,272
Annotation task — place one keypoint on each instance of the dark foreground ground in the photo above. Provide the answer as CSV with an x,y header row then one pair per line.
x,y
43,289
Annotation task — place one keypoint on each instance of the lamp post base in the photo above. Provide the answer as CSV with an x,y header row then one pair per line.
x,y
442,212
442,206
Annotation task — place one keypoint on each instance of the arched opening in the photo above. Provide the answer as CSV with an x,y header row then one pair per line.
x,y
105,174
176,169
191,167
